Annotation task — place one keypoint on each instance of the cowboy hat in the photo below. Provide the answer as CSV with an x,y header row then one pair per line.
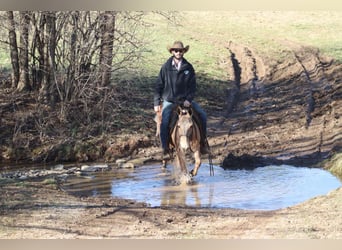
x,y
178,45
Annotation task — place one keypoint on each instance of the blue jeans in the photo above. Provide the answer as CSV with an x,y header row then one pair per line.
x,y
166,115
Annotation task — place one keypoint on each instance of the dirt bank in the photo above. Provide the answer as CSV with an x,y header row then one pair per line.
x,y
284,113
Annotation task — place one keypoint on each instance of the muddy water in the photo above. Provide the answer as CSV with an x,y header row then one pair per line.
x,y
266,188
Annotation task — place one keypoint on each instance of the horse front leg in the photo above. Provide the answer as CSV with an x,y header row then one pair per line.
x,y
197,157
181,161
184,177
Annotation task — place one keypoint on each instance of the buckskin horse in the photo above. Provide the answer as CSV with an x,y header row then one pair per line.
x,y
185,136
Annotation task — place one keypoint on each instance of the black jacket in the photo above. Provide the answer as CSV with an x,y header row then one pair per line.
x,y
173,85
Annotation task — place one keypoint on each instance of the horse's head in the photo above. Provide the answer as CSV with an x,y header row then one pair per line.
x,y
184,127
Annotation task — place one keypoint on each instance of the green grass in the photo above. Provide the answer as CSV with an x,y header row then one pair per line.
x,y
265,32
162,34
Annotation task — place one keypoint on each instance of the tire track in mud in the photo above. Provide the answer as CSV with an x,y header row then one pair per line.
x,y
317,85
313,72
248,71
289,113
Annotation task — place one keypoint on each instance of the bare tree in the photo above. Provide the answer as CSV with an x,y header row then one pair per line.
x,y
69,57
13,47
37,49
47,93
107,27
51,80
24,83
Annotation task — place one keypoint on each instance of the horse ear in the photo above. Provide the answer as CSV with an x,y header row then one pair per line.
x,y
191,111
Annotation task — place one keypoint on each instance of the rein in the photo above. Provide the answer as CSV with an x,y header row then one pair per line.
x,y
210,159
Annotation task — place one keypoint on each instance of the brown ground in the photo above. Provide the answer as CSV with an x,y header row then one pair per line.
x,y
284,113
44,212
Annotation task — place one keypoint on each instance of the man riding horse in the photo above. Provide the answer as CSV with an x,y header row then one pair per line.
x,y
177,82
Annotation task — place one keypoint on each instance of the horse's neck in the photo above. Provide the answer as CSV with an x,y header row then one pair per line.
x,y
196,137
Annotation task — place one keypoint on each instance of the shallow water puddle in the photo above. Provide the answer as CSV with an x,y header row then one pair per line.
x,y
265,188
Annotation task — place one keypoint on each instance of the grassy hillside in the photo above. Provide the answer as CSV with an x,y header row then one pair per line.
x,y
266,32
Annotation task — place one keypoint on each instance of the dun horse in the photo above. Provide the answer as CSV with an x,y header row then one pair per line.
x,y
185,136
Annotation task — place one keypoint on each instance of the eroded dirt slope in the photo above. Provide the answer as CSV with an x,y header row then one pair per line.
x,y
284,113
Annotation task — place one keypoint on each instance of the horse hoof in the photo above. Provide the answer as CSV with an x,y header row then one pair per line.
x,y
192,173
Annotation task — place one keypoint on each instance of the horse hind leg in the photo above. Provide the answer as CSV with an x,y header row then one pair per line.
x,y
164,162
197,156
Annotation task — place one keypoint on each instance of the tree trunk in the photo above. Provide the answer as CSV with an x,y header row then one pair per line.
x,y
48,88
73,63
24,81
107,40
51,55
38,43
13,49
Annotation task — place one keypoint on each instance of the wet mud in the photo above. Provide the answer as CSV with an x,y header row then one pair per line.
x,y
288,113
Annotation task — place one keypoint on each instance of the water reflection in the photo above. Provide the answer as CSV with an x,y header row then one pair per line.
x,y
180,195
266,188
93,184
